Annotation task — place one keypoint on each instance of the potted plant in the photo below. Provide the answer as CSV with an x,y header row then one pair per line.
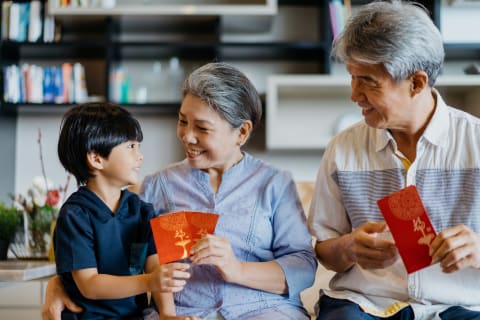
x,y
10,218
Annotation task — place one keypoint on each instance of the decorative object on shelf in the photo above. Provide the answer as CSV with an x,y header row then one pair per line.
x,y
10,218
40,207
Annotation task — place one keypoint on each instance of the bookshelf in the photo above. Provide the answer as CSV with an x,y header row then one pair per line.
x,y
115,45
282,45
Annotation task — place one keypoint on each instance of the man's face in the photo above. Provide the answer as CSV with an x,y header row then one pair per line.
x,y
385,103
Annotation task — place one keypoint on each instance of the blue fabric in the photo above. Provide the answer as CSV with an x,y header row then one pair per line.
x,y
262,217
338,309
459,313
89,235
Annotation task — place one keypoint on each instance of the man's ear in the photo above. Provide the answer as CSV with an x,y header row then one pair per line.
x,y
244,132
94,160
419,81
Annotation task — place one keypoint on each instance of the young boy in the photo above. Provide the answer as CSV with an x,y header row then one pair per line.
x,y
103,241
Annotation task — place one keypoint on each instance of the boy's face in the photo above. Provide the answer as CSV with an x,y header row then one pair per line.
x,y
122,166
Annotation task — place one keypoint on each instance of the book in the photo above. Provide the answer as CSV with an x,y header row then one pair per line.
x,y
6,19
35,25
410,226
175,233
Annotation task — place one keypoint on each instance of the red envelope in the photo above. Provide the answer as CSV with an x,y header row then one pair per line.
x,y
175,233
410,226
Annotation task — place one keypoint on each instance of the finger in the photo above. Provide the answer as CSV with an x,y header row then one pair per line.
x,y
174,284
444,235
448,243
374,227
178,266
180,275
208,241
70,305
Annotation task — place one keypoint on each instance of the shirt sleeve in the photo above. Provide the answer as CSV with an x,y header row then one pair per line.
x,y
74,240
327,217
292,244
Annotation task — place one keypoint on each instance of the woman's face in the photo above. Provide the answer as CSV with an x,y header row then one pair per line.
x,y
209,141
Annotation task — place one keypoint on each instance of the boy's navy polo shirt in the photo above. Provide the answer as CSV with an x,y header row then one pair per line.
x,y
89,235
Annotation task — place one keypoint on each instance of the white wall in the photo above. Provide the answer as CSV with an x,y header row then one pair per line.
x,y
160,148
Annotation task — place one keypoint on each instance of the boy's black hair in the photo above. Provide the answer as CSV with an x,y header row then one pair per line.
x,y
95,127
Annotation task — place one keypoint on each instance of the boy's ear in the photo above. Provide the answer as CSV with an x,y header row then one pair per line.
x,y
94,160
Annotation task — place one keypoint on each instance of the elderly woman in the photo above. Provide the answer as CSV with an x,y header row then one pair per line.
x,y
261,257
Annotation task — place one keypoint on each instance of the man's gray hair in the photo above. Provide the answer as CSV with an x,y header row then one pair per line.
x,y
398,35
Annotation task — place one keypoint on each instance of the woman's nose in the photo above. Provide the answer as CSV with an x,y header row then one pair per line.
x,y
188,136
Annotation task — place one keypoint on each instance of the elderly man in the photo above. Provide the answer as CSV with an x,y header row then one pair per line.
x,y
409,136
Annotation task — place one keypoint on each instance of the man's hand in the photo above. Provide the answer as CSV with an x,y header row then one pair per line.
x,y
367,248
456,248
56,300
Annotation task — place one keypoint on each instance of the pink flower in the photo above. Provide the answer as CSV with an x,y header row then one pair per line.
x,y
53,197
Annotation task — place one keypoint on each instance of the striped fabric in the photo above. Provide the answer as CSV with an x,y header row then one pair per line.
x,y
360,166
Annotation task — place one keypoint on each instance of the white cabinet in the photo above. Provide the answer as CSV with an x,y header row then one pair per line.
x,y
21,300
305,111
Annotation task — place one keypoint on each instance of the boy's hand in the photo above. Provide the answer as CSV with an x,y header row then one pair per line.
x,y
169,277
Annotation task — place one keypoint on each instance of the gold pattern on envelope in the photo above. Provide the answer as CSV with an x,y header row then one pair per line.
x,y
177,223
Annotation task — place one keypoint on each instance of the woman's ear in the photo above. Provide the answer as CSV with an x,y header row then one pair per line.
x,y
244,132
94,160
419,81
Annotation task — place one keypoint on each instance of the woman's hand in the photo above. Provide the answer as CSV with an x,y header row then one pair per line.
x,y
456,248
56,300
169,277
218,252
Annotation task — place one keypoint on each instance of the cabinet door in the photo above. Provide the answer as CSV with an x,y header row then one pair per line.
x,y
21,300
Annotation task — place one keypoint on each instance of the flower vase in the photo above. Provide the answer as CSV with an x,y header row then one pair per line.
x,y
4,244
37,232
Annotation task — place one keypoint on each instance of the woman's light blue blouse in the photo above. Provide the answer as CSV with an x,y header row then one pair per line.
x,y
262,217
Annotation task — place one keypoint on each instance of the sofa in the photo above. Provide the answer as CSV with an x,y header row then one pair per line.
x,y
323,276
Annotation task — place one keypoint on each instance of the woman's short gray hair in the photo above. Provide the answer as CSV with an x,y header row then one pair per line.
x,y
399,35
227,90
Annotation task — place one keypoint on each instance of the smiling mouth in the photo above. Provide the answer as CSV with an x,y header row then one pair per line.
x,y
193,153
366,111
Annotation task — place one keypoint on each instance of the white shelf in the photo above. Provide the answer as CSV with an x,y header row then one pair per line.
x,y
305,111
264,7
467,80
